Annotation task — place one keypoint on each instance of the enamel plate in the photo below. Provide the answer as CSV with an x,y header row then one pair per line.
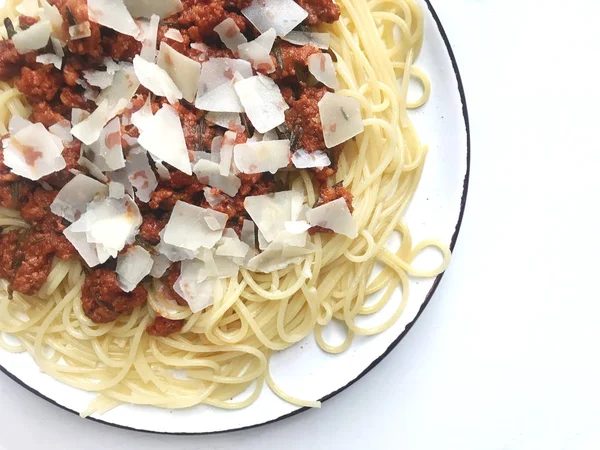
x,y
304,371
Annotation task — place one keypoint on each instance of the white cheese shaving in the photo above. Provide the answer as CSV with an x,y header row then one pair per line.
x,y
258,52
208,172
194,286
305,160
72,200
50,59
319,40
57,45
262,101
214,199
140,174
286,249
110,224
174,34
226,152
93,169
188,230
112,14
116,190
132,267
184,72
33,152
160,266
146,8
218,71
163,138
120,176
149,39
108,146
33,38
229,120
172,252
111,102
230,34
248,235
28,8
162,171
111,66
221,99
296,226
282,15
98,78
80,31
232,247
52,14
341,118
264,156
270,212
156,79
78,115
334,216
62,129
17,123
86,250
321,66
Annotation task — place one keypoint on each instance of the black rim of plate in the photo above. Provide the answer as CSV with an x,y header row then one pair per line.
x,y
436,282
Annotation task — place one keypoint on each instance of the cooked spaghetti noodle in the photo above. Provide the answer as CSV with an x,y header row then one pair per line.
x,y
224,350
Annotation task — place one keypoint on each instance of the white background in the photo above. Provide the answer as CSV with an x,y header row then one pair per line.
x,y
506,355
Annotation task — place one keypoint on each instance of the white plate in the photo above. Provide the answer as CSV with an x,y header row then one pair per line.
x,y
304,370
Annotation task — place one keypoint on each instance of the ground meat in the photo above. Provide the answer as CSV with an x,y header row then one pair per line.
x,y
330,193
121,47
26,21
16,194
72,99
292,56
72,70
6,199
152,226
45,114
304,121
181,180
232,206
168,281
189,121
37,205
33,261
103,300
181,47
87,46
10,60
256,184
71,156
6,176
8,249
207,52
165,198
163,327
205,17
39,85
320,11
324,173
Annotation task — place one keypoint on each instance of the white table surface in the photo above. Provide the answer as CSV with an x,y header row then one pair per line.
x,y
506,356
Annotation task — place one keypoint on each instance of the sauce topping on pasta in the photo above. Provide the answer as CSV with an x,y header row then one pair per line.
x,y
160,144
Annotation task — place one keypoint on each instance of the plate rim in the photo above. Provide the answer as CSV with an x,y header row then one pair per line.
x,y
396,341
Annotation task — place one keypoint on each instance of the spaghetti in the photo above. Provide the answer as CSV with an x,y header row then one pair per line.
x,y
223,351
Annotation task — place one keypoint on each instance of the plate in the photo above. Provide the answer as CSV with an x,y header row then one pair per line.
x,y
304,370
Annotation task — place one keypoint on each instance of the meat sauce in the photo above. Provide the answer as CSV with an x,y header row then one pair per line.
x,y
26,256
